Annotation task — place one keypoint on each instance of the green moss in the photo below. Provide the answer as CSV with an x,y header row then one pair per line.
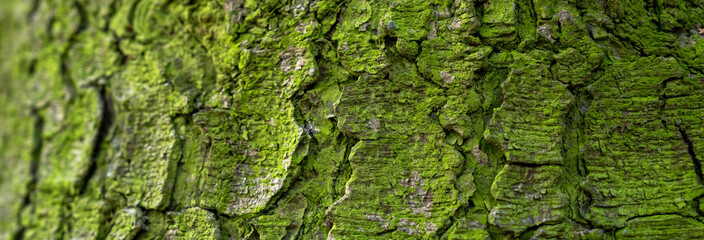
x,y
661,226
609,148
499,21
361,119
127,224
537,140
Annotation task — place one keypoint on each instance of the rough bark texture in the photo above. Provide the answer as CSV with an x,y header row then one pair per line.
x,y
359,119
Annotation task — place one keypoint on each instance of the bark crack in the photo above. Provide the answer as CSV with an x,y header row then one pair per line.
x,y
106,120
693,156
33,169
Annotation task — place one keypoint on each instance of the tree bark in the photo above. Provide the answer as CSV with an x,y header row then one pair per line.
x,y
359,119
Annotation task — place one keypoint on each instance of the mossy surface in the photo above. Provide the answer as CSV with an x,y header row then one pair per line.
x,y
351,119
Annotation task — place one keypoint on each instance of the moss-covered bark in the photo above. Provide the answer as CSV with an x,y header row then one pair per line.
x,y
357,119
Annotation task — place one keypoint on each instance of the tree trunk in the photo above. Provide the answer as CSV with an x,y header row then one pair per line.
x,y
359,119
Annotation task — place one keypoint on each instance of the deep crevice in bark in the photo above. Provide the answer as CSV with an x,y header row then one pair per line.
x,y
38,143
696,162
107,116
